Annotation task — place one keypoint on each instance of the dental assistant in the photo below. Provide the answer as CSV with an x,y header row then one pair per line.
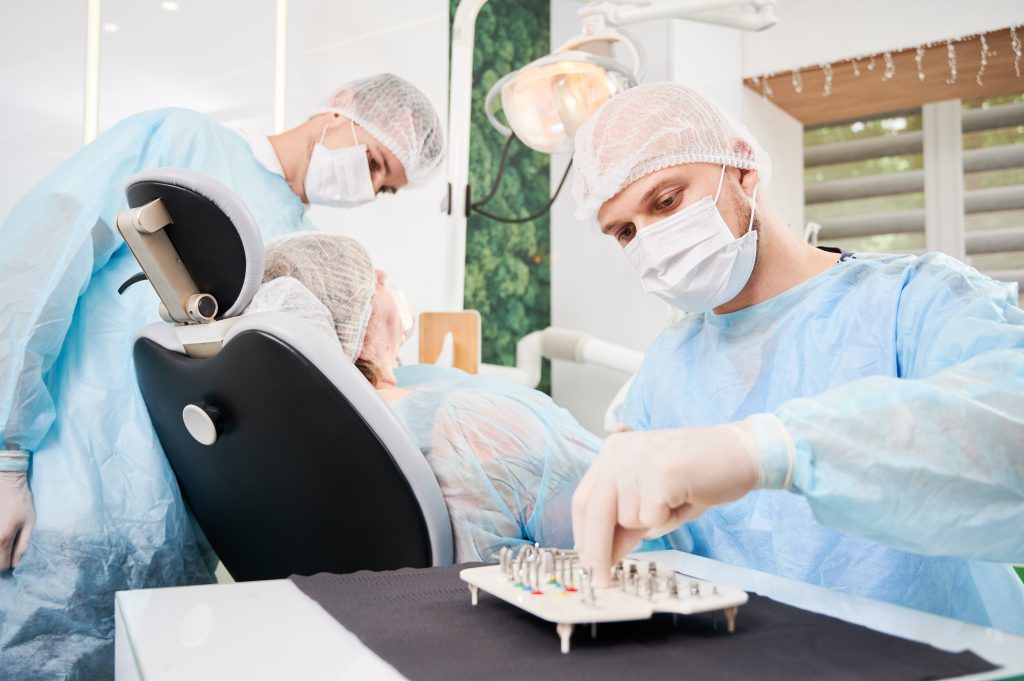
x,y
850,420
107,514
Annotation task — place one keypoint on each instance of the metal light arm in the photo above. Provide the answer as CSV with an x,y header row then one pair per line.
x,y
748,15
745,22
459,111
596,31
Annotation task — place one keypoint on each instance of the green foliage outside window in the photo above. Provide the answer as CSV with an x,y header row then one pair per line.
x,y
893,124
508,266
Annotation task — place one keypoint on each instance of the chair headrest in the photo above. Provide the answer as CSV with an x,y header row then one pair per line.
x,y
215,236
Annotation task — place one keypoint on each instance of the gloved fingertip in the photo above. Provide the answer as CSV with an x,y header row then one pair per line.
x,y
19,553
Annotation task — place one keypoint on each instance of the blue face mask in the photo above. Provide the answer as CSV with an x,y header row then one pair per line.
x,y
691,259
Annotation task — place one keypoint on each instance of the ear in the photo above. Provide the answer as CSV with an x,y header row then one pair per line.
x,y
748,180
342,98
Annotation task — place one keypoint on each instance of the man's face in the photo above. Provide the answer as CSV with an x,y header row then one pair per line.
x,y
667,191
386,172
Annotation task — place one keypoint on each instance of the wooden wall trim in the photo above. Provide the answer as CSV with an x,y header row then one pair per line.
x,y
870,94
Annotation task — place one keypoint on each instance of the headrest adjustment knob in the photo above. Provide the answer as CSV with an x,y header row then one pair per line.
x,y
203,422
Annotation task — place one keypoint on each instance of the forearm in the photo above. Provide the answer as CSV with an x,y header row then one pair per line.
x,y
933,465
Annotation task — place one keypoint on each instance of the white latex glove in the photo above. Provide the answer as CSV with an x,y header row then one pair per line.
x,y
17,518
649,483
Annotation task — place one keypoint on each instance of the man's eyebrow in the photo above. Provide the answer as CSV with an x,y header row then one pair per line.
x,y
610,227
653,191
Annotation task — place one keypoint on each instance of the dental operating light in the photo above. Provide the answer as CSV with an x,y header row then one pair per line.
x,y
547,100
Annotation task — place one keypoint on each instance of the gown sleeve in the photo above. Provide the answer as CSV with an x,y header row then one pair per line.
x,y
931,462
54,240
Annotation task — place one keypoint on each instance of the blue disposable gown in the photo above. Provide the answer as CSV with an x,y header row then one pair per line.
x,y
901,380
507,459
109,514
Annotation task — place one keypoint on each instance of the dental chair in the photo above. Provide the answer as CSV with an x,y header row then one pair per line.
x,y
288,460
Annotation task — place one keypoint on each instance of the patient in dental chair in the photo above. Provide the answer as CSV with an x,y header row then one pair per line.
x,y
507,458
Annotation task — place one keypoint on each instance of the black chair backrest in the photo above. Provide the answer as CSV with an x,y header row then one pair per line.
x,y
297,482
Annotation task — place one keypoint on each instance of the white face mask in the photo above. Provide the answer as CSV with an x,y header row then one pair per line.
x,y
691,259
339,177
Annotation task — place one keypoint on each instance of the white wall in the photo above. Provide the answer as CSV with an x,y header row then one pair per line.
x,y
41,54
593,287
810,32
194,57
225,73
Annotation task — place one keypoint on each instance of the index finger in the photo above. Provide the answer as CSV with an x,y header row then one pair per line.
x,y
580,500
598,528
7,547
625,540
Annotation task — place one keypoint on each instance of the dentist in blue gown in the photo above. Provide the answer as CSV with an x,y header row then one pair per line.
x,y
88,503
850,420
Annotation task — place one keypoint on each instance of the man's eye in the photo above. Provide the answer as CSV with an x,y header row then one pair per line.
x,y
625,235
373,165
667,202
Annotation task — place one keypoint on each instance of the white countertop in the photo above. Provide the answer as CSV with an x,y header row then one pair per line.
x,y
271,630
248,630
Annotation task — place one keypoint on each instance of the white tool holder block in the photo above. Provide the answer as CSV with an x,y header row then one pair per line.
x,y
549,584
